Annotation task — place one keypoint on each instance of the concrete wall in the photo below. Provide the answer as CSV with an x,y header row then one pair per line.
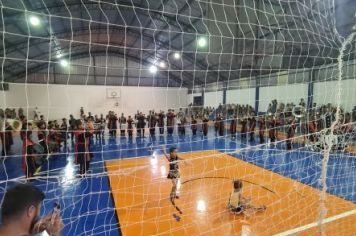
x,y
325,92
241,96
286,94
57,101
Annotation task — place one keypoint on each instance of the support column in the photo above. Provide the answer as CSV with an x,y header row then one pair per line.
x,y
94,68
310,90
257,95
126,71
224,92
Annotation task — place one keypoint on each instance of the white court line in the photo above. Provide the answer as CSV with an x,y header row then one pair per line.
x,y
312,225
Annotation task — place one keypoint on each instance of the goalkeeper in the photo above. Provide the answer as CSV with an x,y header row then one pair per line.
x,y
239,204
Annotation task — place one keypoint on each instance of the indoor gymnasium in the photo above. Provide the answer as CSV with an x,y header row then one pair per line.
x,y
177,117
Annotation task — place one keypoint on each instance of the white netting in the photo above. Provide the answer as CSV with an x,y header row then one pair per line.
x,y
262,91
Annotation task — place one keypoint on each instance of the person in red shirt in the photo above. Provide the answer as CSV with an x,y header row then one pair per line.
x,y
130,123
243,129
193,123
160,122
170,122
64,132
205,126
233,127
252,126
221,124
151,120
312,128
112,124
42,138
28,153
6,138
272,125
290,133
122,124
262,129
83,155
53,138
183,122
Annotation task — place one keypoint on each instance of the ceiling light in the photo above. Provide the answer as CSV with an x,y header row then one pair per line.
x,y
202,42
176,55
153,69
34,20
64,63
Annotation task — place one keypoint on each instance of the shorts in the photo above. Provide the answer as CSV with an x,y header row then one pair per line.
x,y
173,174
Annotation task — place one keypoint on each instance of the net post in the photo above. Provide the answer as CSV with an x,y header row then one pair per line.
x,y
330,136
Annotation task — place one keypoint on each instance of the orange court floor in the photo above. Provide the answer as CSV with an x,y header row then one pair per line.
x,y
141,190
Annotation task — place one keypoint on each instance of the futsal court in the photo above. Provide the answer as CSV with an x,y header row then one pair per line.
x,y
132,197
142,196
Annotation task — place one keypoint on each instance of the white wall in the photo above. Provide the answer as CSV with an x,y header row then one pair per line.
x,y
325,92
241,96
57,101
213,99
286,94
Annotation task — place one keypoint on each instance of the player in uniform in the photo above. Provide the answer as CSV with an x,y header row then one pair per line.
x,y
173,173
239,204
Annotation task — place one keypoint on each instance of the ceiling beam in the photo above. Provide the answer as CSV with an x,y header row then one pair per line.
x,y
98,30
80,54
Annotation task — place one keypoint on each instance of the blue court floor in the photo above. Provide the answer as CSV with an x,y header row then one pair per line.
x,y
87,205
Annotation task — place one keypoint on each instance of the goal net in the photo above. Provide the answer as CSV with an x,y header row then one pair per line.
x,y
259,91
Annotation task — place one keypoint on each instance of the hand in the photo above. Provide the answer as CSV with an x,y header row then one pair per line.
x,y
55,227
46,224
39,227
